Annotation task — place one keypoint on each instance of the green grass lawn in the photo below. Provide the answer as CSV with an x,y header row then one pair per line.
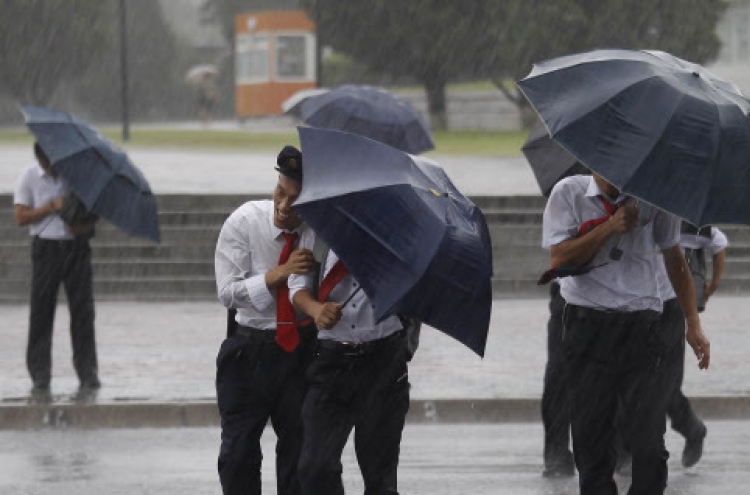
x,y
483,143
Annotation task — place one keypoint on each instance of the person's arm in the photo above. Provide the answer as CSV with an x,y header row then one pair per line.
x,y
81,228
679,276
580,250
26,215
235,285
326,314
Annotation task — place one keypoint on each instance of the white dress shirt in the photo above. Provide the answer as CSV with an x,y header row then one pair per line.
x,y
357,322
716,243
625,285
249,246
36,188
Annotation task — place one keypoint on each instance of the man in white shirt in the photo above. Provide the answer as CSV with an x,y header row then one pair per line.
x,y
610,343
261,366
358,380
61,255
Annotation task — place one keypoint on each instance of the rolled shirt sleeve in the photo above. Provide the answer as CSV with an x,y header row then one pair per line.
x,y
236,288
667,229
719,241
296,281
559,221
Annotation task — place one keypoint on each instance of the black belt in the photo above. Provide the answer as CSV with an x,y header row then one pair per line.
x,y
257,334
260,335
360,348
583,313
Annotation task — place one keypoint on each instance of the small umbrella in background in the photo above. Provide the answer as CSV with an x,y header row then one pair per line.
x,y
199,73
657,127
98,172
291,105
371,112
416,245
549,161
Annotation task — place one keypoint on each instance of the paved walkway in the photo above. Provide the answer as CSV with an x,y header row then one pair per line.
x,y
216,172
156,352
498,459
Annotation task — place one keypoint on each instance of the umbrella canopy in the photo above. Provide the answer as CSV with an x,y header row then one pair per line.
x,y
657,127
198,73
292,104
416,245
371,112
100,174
549,161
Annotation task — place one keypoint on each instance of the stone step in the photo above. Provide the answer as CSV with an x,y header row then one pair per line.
x,y
126,269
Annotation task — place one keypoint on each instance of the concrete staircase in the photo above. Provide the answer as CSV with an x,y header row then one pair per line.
x,y
181,267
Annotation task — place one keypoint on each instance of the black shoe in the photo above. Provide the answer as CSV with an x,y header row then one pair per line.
x,y
93,384
40,394
694,448
560,468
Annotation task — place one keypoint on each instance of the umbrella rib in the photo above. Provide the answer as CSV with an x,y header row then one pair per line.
x,y
379,240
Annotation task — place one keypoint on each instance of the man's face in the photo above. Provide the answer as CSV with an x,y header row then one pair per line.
x,y
286,193
606,187
47,166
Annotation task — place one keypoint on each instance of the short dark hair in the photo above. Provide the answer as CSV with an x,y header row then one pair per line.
x,y
40,154
289,163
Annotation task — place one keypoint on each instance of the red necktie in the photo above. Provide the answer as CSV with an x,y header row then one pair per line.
x,y
286,319
334,276
588,226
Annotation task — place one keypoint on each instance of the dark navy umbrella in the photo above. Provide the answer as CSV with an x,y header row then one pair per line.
x,y
414,242
549,161
657,127
371,112
100,174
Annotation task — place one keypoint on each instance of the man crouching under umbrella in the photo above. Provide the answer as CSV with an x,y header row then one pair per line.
x,y
611,351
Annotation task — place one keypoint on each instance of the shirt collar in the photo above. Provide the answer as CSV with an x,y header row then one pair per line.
x,y
593,191
276,232
41,172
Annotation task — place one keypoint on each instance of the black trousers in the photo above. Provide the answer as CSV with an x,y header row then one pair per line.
x,y
256,380
679,410
67,263
612,362
555,415
368,393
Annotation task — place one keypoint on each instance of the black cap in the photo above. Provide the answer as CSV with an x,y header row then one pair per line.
x,y
289,163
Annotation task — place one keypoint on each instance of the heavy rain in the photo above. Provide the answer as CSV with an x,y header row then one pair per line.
x,y
447,150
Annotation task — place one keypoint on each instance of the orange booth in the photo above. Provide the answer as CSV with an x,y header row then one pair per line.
x,y
275,58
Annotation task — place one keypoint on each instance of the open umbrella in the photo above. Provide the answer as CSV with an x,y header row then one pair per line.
x,y
371,112
657,127
99,173
416,245
292,104
198,73
549,161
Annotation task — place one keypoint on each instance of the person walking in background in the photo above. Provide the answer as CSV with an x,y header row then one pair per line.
x,y
610,323
672,333
261,364
60,254
358,380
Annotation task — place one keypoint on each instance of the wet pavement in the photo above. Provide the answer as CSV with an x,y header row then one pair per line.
x,y
479,459
156,352
171,171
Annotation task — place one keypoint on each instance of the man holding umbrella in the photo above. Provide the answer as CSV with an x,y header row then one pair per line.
x,y
60,255
611,348
358,380
261,365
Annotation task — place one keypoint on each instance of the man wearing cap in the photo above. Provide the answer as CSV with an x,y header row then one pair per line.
x,y
358,380
611,349
261,365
